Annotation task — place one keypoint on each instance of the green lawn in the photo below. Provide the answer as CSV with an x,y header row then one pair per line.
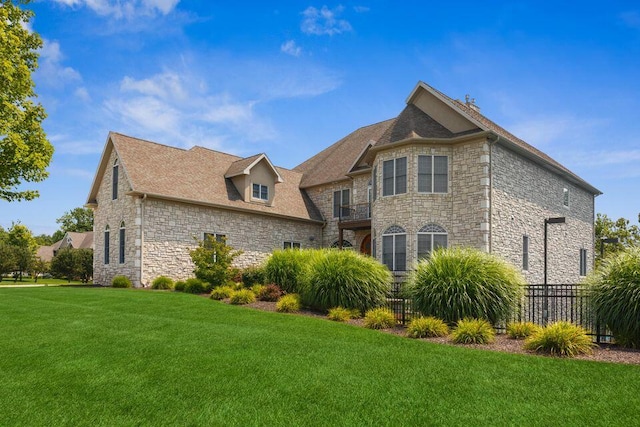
x,y
110,357
41,281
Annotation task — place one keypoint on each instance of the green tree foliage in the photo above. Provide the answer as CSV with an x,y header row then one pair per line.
x,y
7,259
73,264
77,220
44,240
628,235
25,151
38,267
83,264
19,235
213,261
24,258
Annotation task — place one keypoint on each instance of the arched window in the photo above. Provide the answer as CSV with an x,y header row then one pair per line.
x,y
345,244
394,248
430,238
121,242
106,245
114,181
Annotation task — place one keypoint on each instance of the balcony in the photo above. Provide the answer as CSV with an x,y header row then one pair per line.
x,y
355,217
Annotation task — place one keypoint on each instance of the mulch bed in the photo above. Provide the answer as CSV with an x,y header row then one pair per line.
x,y
601,353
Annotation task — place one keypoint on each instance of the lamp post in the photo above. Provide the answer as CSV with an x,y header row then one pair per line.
x,y
604,240
545,303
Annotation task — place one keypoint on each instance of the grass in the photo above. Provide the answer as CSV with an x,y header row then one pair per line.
x,y
41,281
91,356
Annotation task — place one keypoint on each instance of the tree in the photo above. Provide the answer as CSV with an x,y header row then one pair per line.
x,y
25,151
83,264
628,235
19,235
38,267
62,265
213,261
44,240
24,258
78,220
7,261
73,264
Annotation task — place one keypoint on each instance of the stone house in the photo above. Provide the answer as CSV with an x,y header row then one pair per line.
x,y
439,174
71,239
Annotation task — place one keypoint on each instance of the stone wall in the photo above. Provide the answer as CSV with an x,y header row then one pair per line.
x,y
523,195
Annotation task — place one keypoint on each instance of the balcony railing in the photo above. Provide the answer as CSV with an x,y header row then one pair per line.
x,y
359,212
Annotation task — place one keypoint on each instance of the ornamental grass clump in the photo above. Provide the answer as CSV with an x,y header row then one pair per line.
x,y
162,282
287,268
614,291
427,327
289,303
379,318
243,296
473,331
121,282
339,314
194,286
221,292
522,330
560,339
458,283
346,279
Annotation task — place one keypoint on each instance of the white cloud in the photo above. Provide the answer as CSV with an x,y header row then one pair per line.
x,y
324,21
165,86
361,9
83,94
289,47
51,70
125,9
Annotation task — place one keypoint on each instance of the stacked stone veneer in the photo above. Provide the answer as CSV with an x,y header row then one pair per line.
x,y
523,195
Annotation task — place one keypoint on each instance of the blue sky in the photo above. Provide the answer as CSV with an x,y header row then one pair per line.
x,y
290,78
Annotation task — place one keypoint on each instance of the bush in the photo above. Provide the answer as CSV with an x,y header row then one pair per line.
x,y
287,268
221,292
339,314
423,327
473,331
270,292
614,294
560,339
346,279
253,276
243,296
288,304
212,260
379,318
458,283
121,282
179,286
522,330
256,289
194,286
162,282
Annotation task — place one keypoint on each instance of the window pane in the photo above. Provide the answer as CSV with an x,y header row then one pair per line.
x,y
387,178
345,204
296,245
336,204
424,174
114,189
401,175
221,238
256,191
424,246
375,183
525,252
106,247
264,192
387,251
401,252
439,241
440,174
287,245
121,245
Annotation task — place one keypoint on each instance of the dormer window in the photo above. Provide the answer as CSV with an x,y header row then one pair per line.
x,y
260,192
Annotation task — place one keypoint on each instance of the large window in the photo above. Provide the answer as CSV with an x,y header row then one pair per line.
x,y
106,245
430,238
525,253
114,181
122,246
260,192
433,174
583,262
394,248
394,176
341,200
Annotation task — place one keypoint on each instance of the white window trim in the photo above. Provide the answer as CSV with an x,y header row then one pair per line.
x,y
292,244
433,156
260,187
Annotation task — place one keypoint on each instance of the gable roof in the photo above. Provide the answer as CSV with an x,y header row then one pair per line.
x,y
197,176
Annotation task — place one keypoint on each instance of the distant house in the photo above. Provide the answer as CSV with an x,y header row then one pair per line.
x,y
439,174
70,240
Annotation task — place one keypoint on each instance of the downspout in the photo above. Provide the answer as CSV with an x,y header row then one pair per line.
x,y
144,197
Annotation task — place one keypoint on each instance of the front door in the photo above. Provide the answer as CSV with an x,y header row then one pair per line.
x,y
365,246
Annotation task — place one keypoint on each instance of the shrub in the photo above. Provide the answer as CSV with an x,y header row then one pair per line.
x,y
473,331
422,327
560,339
162,282
253,276
614,294
221,292
212,260
194,286
121,282
243,296
288,304
379,318
287,268
346,279
522,330
339,314
256,289
179,285
270,292
457,283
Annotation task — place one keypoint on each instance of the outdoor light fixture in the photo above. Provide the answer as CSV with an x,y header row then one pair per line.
x,y
604,240
545,304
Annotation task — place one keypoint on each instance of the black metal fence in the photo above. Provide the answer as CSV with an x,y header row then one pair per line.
x,y
541,304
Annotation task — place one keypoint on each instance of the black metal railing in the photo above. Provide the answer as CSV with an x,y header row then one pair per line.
x,y
356,212
541,304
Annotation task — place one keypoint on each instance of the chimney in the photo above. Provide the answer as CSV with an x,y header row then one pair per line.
x,y
471,103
